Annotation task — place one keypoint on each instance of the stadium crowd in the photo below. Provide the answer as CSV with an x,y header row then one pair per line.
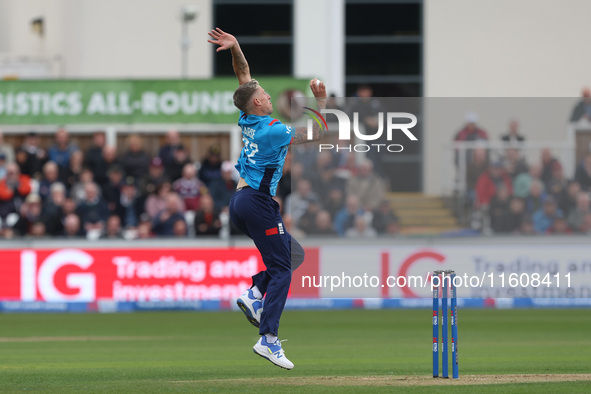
x,y
62,191
510,195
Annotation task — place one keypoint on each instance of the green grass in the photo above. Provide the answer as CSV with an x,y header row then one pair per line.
x,y
185,351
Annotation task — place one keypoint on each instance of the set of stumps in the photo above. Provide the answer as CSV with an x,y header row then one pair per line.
x,y
444,280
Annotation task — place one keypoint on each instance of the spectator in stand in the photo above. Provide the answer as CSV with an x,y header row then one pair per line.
x,y
222,189
156,201
38,230
30,213
62,150
307,220
471,132
71,175
299,200
2,166
113,228
179,160
576,216
543,219
515,220
108,160
111,191
478,166
135,161
93,157
384,219
522,182
333,201
345,218
52,211
144,229
514,163
558,185
189,188
129,207
207,218
537,196
69,206
165,220
583,108
13,190
547,164
488,182
156,176
211,166
93,211
77,191
50,176
361,229
500,211
586,226
6,149
560,227
72,227
179,229
367,186
527,227
583,173
513,135
167,151
322,225
570,202
31,157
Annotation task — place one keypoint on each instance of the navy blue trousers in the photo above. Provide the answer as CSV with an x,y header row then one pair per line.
x,y
257,215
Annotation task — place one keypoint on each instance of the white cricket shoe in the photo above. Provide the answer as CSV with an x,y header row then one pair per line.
x,y
272,352
251,306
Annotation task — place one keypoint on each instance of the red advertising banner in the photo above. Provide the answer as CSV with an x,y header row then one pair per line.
x,y
129,274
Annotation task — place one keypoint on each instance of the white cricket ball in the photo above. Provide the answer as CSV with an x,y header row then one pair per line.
x,y
317,82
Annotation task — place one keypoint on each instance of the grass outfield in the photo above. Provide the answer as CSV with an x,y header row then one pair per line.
x,y
333,351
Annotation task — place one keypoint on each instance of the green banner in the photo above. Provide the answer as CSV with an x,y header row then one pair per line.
x,y
133,101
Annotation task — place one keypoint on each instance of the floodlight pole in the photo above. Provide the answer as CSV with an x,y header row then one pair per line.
x,y
184,47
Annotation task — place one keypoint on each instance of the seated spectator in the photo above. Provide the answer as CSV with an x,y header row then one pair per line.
x,y
361,229
179,228
522,182
583,173
560,227
108,160
156,176
222,189
527,227
487,184
583,108
211,166
180,159
299,200
113,228
167,151
71,174
130,206
77,191
93,157
470,132
6,149
576,216
384,219
69,207
163,224
72,227
548,162
37,230
367,186
50,176
500,211
307,220
13,190
333,201
135,161
514,163
30,213
570,202
513,135
515,219
207,218
322,225
30,157
478,166
52,211
586,226
189,188
324,177
92,211
537,196
144,229
62,150
345,218
156,201
558,185
543,219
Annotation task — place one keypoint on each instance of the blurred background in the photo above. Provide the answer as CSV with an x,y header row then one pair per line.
x,y
117,122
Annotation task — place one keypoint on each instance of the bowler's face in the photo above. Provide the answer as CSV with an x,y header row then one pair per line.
x,y
265,100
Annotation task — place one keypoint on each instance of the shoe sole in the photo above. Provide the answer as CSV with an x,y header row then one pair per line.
x,y
270,360
247,313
